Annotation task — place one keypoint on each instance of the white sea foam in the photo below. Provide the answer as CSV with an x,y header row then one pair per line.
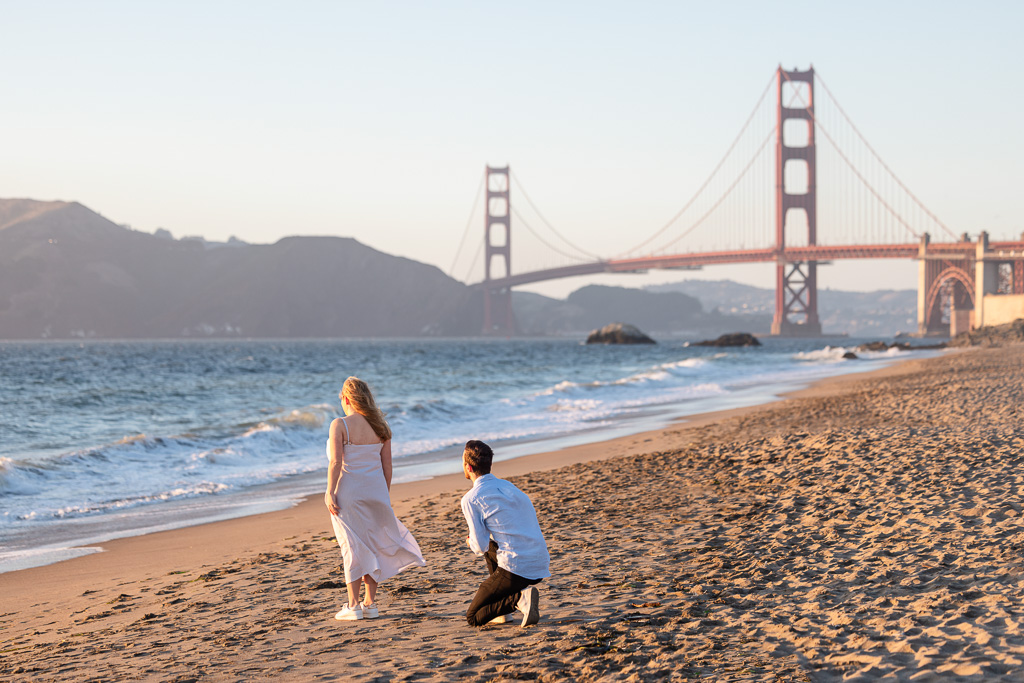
x,y
688,363
829,354
145,471
37,557
261,427
834,354
891,352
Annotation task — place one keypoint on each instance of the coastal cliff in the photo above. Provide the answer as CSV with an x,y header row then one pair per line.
x,y
66,272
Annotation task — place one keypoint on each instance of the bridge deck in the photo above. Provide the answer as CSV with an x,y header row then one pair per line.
x,y
934,250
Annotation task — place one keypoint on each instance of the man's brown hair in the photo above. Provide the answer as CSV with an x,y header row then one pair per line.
x,y
478,456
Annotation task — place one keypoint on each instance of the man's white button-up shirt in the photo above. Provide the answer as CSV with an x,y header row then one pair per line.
x,y
495,508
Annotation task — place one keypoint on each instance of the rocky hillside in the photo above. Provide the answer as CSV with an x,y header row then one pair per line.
x,y
859,314
66,271
595,306
997,335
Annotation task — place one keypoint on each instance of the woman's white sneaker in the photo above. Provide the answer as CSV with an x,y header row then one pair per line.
x,y
369,611
349,614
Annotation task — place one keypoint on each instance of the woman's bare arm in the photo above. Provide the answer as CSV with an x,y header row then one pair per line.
x,y
336,453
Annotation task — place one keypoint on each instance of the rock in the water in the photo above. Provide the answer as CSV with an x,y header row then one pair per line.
x,y
733,339
619,333
850,355
882,346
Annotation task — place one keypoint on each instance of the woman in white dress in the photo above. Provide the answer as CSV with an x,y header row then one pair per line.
x,y
374,545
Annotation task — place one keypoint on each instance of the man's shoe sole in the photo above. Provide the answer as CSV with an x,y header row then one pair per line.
x,y
531,615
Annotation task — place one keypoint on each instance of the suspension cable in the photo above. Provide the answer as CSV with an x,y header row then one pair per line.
x,y
879,159
724,196
529,201
469,221
728,191
574,257
472,265
843,156
707,182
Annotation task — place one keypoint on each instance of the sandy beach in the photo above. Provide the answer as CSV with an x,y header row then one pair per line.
x,y
867,528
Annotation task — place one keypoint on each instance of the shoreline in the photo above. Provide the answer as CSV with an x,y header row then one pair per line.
x,y
206,541
79,537
867,527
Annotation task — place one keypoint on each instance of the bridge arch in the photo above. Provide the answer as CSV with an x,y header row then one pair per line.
x,y
961,282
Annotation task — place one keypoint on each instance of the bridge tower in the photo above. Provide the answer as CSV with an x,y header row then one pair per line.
x,y
499,319
796,283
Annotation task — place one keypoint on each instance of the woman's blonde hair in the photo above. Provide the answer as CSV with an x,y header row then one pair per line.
x,y
359,395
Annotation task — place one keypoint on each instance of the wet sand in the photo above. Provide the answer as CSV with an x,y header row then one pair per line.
x,y
868,528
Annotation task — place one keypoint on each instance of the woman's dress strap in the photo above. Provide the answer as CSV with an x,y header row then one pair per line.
x,y
347,438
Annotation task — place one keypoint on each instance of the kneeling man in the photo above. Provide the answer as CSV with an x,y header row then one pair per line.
x,y
503,528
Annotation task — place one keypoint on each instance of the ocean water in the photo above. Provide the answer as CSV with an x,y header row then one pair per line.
x,y
100,440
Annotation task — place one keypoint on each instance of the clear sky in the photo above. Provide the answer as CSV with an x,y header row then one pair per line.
x,y
375,120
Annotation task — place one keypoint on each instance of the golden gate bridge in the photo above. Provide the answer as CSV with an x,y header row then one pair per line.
x,y
755,207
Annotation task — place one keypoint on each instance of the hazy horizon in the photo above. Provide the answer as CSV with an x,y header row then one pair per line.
x,y
376,121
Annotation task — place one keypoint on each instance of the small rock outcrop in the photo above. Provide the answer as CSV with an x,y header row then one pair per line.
x,y
997,335
733,339
882,346
619,333
850,355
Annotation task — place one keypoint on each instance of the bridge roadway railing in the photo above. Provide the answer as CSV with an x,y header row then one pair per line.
x,y
695,260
